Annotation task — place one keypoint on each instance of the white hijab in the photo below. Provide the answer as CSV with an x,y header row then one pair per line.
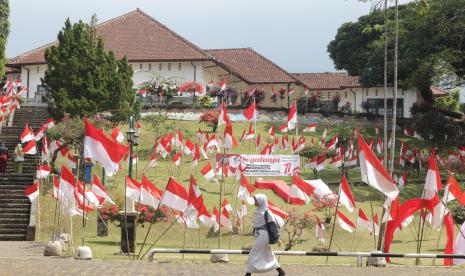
x,y
259,213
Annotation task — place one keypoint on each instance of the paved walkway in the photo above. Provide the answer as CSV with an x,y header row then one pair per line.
x,y
25,258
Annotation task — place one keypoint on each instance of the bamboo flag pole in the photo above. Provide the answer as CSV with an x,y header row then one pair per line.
x,y
159,237
334,222
372,214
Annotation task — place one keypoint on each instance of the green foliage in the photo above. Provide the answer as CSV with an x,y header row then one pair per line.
x,y
295,225
160,125
83,79
4,31
430,45
449,102
458,212
206,101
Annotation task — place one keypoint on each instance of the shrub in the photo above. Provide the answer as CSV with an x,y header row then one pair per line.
x,y
191,86
458,212
160,124
210,118
206,101
346,108
294,226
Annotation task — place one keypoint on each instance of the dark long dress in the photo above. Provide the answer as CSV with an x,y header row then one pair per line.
x,y
3,158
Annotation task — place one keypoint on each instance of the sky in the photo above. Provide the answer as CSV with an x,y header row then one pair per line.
x,y
292,33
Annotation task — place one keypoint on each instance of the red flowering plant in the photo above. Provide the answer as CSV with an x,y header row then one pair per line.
x,y
191,86
210,118
295,225
248,96
111,214
282,94
324,204
151,215
336,100
314,99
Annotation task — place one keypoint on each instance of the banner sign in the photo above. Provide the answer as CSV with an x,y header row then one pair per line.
x,y
260,165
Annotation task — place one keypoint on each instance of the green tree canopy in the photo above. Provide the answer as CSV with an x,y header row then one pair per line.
x,y
84,79
4,31
431,46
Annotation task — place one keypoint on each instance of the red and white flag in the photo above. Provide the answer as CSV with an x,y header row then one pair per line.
x,y
143,92
321,162
153,161
373,173
257,142
433,179
67,183
229,140
336,161
223,85
332,143
175,196
195,156
100,190
133,189
71,161
32,192
345,197
290,91
208,172
311,128
292,117
188,147
30,148
320,230
150,194
452,190
43,172
323,134
27,135
271,131
40,133
279,215
245,190
177,159
223,116
301,189
117,135
251,113
363,221
49,124
345,223
98,147
248,135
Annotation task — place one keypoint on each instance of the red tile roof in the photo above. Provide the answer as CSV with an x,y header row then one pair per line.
x,y
136,35
327,81
9,70
438,92
250,66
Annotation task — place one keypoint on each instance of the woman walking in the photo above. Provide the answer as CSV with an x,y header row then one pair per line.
x,y
261,257
3,158
18,156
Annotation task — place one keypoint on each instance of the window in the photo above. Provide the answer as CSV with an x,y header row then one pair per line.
x,y
376,92
345,94
169,66
179,66
141,66
376,107
160,66
367,92
41,90
403,92
38,69
150,66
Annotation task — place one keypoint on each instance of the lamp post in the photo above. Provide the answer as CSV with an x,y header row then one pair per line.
x,y
129,215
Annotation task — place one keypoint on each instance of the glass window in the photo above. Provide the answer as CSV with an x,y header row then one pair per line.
x,y
42,90
376,107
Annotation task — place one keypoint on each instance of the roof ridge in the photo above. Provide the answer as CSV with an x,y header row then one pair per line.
x,y
324,73
234,48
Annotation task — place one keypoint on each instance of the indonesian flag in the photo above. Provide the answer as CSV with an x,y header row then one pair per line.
x,y
345,223
373,172
178,139
100,190
163,148
117,135
352,162
462,150
32,192
363,221
50,123
189,147
336,162
345,197
153,161
301,189
225,221
177,159
208,172
133,189
310,128
402,181
271,131
150,194
30,148
284,142
223,116
43,172
290,91
196,156
257,142
7,84
223,85
85,203
40,133
27,135
323,135
376,225
320,230
379,146
215,218
251,113
433,179
321,162
45,156
229,140
292,117
72,162
98,147
284,128
408,132
332,143
57,194
245,190
67,183
143,92
249,135
311,164
279,215
175,196
452,190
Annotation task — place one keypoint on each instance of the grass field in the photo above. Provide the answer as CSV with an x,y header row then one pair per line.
x,y
108,247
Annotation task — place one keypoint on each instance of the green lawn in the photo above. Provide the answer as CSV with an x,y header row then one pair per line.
x,y
107,247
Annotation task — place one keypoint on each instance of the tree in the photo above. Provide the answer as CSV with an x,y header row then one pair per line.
x,y
431,44
83,79
450,102
4,31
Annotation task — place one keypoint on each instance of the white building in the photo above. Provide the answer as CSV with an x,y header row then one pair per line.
x,y
152,47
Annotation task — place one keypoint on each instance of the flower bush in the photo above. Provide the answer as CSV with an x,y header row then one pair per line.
x,y
282,94
324,204
336,99
111,215
248,96
295,225
210,118
151,215
315,99
346,108
163,87
229,95
191,86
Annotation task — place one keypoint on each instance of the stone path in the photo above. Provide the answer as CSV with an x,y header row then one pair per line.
x,y
25,258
